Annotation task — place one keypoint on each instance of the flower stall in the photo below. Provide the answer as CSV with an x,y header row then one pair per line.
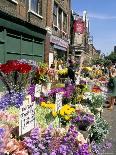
x,y
35,120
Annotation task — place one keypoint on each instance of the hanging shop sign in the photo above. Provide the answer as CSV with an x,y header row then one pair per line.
x,y
79,26
58,101
58,41
26,118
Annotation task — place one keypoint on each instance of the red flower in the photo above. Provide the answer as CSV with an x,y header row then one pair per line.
x,y
14,64
24,68
6,69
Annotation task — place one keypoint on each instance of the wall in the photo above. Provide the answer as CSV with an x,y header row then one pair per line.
x,y
20,10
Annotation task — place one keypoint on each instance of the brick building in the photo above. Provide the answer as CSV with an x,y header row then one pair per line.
x,y
58,30
22,29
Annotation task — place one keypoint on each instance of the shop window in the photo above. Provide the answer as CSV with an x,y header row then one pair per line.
x,y
64,22
55,14
36,6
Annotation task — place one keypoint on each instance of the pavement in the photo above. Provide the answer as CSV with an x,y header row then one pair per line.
x,y
110,116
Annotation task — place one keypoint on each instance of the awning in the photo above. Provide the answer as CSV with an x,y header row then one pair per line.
x,y
60,48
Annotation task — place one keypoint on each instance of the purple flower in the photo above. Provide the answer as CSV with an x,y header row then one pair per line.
x,y
13,99
100,148
84,149
31,91
53,153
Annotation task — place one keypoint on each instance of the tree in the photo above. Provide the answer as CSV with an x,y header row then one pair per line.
x,y
112,57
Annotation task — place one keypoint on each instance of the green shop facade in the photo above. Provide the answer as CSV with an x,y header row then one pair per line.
x,y
20,39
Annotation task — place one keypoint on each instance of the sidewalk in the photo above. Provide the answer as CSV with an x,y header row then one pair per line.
x,y
110,116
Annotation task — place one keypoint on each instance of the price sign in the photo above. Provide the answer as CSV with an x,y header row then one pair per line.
x,y
38,89
26,118
58,101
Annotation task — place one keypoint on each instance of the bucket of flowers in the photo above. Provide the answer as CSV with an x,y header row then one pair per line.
x,y
83,120
16,76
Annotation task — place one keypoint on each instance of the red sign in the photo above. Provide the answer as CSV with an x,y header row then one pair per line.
x,y
79,26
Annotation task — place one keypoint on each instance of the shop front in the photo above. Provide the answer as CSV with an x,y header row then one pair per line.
x,y
59,49
20,40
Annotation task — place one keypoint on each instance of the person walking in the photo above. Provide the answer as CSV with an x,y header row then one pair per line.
x,y
71,72
112,88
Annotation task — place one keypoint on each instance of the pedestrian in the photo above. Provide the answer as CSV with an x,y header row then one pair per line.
x,y
71,72
112,88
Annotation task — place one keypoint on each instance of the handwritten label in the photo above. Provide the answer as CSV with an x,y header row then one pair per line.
x,y
58,101
38,89
26,118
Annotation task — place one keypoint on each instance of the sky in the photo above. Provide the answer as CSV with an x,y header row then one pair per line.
x,y
102,17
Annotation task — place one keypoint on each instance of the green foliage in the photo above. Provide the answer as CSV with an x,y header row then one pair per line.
x,y
112,57
98,61
95,102
103,61
99,130
43,116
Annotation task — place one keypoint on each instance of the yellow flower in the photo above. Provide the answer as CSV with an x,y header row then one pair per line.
x,y
66,106
69,111
62,112
43,104
54,113
67,117
63,71
72,110
51,106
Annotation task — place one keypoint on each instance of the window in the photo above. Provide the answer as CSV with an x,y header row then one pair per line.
x,y
36,6
64,22
60,19
55,14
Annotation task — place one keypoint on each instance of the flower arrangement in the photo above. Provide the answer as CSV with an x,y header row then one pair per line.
x,y
45,141
100,148
41,75
82,108
66,91
87,69
65,112
43,116
9,119
96,89
54,142
83,120
15,75
99,130
12,99
48,105
95,102
63,71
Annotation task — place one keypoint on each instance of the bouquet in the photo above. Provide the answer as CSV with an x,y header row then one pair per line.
x,y
15,75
